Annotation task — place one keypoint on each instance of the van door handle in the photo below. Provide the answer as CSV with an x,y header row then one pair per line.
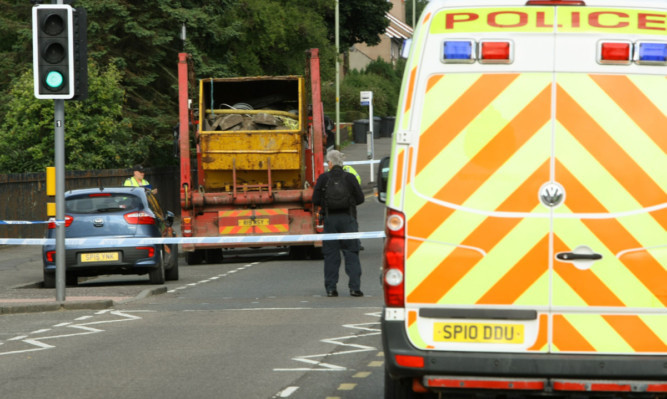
x,y
570,256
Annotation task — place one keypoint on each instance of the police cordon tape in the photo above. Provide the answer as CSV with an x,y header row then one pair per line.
x,y
22,222
275,239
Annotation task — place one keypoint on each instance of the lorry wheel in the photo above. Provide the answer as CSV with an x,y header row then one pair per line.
x,y
213,256
315,253
194,258
298,252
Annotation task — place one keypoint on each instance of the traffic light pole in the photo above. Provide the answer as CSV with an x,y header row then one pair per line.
x,y
59,138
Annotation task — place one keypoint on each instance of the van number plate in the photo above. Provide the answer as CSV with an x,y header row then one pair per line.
x,y
99,257
484,333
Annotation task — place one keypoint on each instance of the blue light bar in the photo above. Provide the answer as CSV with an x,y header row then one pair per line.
x,y
651,53
460,51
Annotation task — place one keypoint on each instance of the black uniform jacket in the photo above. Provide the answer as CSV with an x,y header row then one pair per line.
x,y
355,188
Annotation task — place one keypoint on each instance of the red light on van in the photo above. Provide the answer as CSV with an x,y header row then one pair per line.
x,y
393,265
555,3
415,362
614,52
495,51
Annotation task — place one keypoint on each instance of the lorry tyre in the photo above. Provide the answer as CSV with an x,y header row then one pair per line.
x,y
213,256
315,253
194,257
298,252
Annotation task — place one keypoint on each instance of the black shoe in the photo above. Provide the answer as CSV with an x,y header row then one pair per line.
x,y
331,293
356,293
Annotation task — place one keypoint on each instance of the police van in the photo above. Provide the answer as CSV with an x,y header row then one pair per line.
x,y
526,202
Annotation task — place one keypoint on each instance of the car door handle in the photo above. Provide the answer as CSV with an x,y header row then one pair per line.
x,y
570,256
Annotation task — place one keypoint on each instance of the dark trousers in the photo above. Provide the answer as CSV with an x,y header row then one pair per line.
x,y
331,249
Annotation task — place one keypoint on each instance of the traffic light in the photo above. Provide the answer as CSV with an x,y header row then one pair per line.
x,y
53,51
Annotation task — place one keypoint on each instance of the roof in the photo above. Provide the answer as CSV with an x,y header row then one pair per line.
x,y
397,29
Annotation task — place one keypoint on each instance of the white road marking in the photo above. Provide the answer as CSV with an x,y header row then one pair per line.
x,y
319,365
287,392
38,343
208,280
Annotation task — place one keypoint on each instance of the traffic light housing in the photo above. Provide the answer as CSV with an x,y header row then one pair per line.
x,y
53,51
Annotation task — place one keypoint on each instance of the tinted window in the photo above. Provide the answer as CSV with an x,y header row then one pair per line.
x,y
98,204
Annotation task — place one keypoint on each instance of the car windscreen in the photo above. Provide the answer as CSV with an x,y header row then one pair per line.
x,y
100,203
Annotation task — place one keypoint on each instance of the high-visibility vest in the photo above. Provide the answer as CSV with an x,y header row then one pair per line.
x,y
132,182
350,169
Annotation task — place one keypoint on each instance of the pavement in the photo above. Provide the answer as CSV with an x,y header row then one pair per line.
x,y
21,265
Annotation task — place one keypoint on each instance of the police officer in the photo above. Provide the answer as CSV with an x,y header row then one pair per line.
x,y
340,221
137,179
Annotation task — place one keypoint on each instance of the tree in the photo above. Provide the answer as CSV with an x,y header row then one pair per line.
x,y
419,7
97,134
140,41
360,21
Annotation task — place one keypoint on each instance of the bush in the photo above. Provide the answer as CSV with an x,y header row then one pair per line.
x,y
380,77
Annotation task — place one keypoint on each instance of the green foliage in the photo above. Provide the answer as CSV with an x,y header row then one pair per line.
x,y
97,136
138,43
380,77
419,7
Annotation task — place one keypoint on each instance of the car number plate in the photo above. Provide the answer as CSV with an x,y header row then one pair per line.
x,y
255,222
479,333
100,257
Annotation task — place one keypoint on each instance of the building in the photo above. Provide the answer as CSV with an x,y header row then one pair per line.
x,y
389,49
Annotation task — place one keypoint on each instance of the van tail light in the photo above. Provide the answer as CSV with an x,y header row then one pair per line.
x,y
50,256
393,263
151,250
140,217
68,222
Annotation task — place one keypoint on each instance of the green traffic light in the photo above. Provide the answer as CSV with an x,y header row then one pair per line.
x,y
54,79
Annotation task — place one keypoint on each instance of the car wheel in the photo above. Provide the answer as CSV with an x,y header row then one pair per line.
x,y
71,280
171,274
156,276
194,258
49,280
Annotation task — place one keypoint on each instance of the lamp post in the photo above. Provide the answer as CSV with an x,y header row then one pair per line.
x,y
413,14
337,79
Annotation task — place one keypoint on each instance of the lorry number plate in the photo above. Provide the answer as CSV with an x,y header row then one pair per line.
x,y
256,222
478,333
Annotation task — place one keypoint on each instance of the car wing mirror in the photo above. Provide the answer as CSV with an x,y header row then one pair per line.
x,y
169,220
382,179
